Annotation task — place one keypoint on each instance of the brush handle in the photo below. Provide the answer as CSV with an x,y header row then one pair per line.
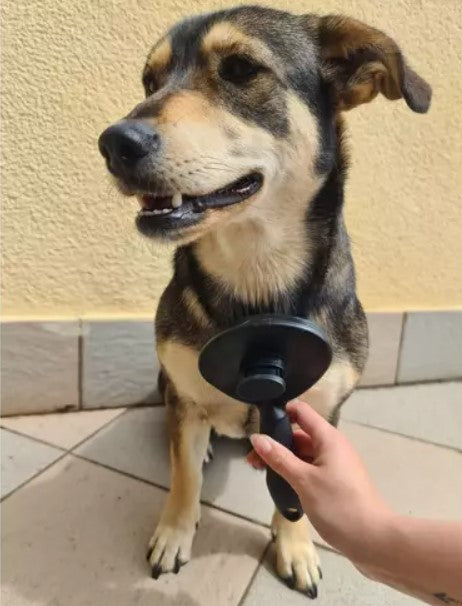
x,y
275,423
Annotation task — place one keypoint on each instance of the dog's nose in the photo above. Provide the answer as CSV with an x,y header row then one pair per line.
x,y
126,142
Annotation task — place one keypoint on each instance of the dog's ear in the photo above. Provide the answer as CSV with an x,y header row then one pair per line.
x,y
359,62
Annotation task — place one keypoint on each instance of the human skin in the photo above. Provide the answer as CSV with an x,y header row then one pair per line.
x,y
420,557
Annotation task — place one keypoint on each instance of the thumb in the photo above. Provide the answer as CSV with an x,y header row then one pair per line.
x,y
279,458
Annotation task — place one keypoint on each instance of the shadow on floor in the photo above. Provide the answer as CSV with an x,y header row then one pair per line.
x,y
77,535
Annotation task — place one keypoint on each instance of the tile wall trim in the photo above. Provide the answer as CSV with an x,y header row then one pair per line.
x,y
406,347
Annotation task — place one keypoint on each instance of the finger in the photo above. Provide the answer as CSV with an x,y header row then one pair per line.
x,y
253,459
292,414
303,445
303,448
279,458
311,422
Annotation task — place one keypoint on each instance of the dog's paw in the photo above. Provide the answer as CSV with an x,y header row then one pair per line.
x,y
170,546
297,562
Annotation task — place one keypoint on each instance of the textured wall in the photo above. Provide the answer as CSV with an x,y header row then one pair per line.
x,y
70,68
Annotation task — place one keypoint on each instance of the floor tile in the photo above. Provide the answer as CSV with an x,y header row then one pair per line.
x,y
384,341
22,458
39,366
431,348
62,429
430,411
342,585
77,536
416,477
119,363
137,444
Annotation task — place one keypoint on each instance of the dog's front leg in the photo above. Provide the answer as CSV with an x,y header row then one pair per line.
x,y
189,433
296,559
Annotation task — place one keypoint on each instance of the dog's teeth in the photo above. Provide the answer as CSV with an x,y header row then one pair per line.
x,y
177,200
161,211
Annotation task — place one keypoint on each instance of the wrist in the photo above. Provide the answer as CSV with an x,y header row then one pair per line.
x,y
373,547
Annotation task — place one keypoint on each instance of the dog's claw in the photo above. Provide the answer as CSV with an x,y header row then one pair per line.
x,y
312,592
149,553
177,566
290,581
156,571
320,572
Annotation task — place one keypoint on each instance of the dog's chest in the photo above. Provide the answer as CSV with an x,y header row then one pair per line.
x,y
228,415
182,365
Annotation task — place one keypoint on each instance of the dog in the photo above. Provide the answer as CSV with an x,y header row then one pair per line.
x,y
237,154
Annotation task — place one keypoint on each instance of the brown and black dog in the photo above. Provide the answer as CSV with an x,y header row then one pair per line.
x,y
237,154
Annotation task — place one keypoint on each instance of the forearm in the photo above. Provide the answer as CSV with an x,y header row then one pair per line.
x,y
420,557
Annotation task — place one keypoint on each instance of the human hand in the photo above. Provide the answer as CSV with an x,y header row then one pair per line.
x,y
330,479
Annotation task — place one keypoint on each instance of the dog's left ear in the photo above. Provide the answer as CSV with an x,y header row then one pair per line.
x,y
360,61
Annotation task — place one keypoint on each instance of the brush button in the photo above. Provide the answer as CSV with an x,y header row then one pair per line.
x,y
263,381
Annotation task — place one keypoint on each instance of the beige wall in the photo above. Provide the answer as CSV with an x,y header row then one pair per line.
x,y
70,248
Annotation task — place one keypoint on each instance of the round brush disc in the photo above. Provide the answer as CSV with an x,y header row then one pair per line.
x,y
299,345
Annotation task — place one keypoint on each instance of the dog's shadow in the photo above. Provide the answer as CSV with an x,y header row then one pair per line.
x,y
226,454
78,535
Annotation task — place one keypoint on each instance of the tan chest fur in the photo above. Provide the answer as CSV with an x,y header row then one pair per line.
x,y
228,416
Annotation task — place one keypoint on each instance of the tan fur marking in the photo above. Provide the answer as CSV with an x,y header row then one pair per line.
x,y
228,415
160,56
295,552
225,414
338,381
187,450
189,437
194,306
224,36
357,82
270,229
185,105
340,35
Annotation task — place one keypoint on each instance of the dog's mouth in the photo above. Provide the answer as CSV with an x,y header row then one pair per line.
x,y
168,215
177,204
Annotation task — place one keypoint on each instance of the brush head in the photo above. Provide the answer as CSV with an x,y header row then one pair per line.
x,y
266,358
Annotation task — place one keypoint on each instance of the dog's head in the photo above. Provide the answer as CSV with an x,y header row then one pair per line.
x,y
240,106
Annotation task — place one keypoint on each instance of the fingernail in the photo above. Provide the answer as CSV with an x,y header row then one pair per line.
x,y
261,443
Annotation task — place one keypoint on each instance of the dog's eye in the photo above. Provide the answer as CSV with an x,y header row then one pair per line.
x,y
150,85
238,69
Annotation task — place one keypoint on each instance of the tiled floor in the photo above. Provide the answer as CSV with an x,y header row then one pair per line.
x,y
82,492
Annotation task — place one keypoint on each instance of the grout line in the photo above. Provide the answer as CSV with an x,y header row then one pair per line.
x,y
78,455
93,433
403,435
400,347
166,489
64,452
80,365
65,410
52,444
254,574
236,515
33,438
35,475
205,503
157,404
409,384
428,382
